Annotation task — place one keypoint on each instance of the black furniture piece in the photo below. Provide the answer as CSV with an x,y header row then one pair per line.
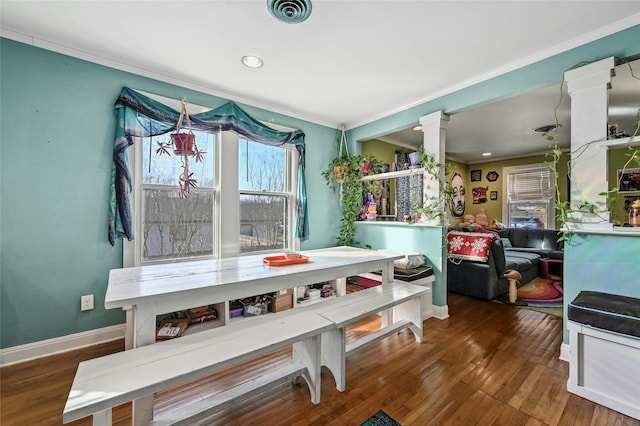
x,y
604,334
485,280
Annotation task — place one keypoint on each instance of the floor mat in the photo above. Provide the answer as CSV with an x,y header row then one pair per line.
x,y
380,419
542,293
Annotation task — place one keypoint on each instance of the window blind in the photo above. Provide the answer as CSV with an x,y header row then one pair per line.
x,y
529,185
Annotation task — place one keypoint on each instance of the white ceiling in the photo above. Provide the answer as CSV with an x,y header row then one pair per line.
x,y
351,62
506,128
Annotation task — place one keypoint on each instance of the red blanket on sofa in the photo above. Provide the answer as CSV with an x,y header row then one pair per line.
x,y
470,245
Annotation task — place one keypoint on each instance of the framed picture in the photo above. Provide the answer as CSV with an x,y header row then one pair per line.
x,y
628,180
492,176
476,175
493,195
480,195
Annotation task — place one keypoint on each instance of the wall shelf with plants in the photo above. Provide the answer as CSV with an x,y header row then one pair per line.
x,y
393,175
428,210
594,213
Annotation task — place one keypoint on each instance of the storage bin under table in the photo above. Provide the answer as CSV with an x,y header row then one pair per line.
x,y
604,335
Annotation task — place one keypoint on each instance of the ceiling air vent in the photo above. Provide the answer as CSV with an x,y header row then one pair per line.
x,y
290,11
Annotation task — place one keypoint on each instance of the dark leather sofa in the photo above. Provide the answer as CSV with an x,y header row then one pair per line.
x,y
543,242
484,280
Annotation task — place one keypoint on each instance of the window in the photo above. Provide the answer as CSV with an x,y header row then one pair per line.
x,y
221,216
530,197
174,227
265,193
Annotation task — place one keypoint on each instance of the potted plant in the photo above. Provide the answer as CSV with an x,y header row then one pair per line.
x,y
344,174
348,183
183,145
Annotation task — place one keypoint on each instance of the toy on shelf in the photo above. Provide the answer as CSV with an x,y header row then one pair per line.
x,y
481,218
468,220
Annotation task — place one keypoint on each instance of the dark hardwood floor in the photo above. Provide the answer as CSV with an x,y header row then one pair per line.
x,y
486,364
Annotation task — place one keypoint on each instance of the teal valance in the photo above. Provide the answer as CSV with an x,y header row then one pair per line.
x,y
140,116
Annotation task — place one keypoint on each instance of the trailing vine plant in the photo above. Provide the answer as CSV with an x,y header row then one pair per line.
x,y
434,207
344,174
564,210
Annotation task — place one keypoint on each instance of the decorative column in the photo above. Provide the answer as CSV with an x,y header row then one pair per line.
x,y
434,129
588,87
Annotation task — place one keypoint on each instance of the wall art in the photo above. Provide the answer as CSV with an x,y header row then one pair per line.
x,y
492,176
628,180
480,195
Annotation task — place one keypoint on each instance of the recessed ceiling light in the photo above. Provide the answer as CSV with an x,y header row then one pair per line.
x,y
486,154
252,61
417,128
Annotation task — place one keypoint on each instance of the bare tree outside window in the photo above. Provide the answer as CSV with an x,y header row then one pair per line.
x,y
263,197
175,227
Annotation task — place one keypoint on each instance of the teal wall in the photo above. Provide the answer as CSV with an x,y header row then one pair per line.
x,y
55,159
56,148
600,263
428,240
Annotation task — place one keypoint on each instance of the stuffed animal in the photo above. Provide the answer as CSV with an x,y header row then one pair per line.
x,y
481,218
468,220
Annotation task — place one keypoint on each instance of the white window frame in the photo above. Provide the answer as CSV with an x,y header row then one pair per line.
x,y
226,215
289,192
550,202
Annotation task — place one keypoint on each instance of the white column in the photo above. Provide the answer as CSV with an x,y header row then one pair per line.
x,y
434,129
588,87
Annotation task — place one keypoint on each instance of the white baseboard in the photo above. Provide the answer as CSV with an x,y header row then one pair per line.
x,y
565,352
43,348
440,312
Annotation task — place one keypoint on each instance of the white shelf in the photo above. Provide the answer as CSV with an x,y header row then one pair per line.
x,y
392,175
313,302
207,325
621,142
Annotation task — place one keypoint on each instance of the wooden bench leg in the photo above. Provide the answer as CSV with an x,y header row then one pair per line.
x,y
334,355
142,411
411,310
102,418
307,352
386,318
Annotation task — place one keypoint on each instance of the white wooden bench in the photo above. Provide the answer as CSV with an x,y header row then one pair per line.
x,y
400,305
318,335
103,383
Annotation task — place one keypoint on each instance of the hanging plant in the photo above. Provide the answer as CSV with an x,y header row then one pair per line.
x,y
344,173
183,145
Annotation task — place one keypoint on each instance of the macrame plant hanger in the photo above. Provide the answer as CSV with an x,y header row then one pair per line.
x,y
345,145
186,180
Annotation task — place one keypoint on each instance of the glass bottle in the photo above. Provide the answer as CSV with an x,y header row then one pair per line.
x,y
634,213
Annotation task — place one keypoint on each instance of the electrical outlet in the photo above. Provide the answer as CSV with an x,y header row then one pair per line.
x,y
86,302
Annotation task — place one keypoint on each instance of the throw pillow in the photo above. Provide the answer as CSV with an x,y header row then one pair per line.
x,y
469,245
506,243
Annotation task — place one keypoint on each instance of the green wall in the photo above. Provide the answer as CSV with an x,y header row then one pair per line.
x,y
57,138
618,159
493,208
